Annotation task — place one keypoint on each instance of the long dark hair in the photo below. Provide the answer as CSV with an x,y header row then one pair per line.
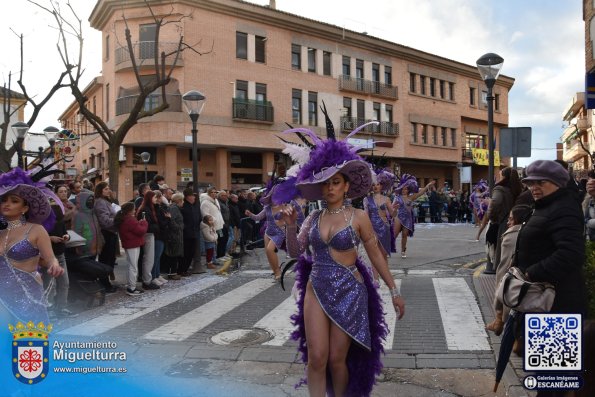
x,y
510,179
126,209
148,203
99,190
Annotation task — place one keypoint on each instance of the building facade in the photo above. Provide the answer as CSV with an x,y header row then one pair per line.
x,y
261,68
16,112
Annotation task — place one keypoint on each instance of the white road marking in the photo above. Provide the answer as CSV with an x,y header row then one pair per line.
x,y
149,302
278,322
188,324
461,317
390,315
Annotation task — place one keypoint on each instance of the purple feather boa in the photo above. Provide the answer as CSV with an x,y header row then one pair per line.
x,y
364,366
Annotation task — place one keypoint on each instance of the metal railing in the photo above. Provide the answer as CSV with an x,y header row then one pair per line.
x,y
125,104
354,84
144,50
387,128
248,109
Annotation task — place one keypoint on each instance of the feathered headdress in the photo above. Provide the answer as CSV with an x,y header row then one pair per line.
x,y
30,187
326,158
385,178
409,181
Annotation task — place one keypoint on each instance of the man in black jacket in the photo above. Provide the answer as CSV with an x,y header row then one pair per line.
x,y
551,246
222,241
192,219
234,218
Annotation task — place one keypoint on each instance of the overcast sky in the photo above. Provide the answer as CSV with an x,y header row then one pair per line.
x,y
541,41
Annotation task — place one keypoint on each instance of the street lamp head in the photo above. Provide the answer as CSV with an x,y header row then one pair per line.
x,y
145,157
20,129
194,101
50,133
489,66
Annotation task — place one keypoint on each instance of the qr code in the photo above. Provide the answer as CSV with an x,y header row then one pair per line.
x,y
553,342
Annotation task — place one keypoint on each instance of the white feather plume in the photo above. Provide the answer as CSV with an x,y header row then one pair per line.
x,y
299,154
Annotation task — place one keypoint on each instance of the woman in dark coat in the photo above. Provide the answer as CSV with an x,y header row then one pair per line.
x,y
503,199
551,245
174,241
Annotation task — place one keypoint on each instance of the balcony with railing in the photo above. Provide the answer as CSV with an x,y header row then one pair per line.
x,y
467,154
573,150
125,104
253,111
384,128
362,86
144,55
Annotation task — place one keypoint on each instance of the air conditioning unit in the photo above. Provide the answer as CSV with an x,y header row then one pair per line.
x,y
122,153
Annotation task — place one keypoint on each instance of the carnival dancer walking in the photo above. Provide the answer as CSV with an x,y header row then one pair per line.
x,y
406,192
479,200
274,235
380,209
340,322
25,244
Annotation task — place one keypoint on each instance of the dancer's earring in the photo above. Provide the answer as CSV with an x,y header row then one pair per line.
x,y
346,200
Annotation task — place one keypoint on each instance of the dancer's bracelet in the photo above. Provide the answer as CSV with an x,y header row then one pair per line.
x,y
395,292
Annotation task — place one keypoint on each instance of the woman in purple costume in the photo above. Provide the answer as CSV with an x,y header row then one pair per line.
x,y
380,210
274,235
340,319
479,201
24,206
406,193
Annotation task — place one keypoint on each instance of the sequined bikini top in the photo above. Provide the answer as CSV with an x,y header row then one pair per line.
x,y
22,249
342,240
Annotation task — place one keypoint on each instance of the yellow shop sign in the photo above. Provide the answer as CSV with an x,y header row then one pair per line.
x,y
480,157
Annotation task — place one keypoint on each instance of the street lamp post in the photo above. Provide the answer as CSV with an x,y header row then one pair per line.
x,y
20,129
145,157
194,101
489,66
50,133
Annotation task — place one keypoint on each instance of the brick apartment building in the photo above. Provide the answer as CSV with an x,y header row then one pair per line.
x,y
268,68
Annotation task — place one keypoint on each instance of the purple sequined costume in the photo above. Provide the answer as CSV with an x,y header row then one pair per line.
x,y
21,293
355,306
405,213
380,227
272,230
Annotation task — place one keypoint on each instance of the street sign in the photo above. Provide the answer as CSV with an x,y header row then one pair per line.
x,y
515,142
590,90
363,143
186,174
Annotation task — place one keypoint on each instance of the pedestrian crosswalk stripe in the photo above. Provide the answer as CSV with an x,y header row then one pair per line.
x,y
278,322
390,315
188,324
461,317
148,303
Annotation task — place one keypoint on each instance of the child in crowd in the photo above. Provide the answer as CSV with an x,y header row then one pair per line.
x,y
132,234
209,235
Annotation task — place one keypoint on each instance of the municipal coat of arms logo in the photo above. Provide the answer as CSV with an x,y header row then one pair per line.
x,y
30,351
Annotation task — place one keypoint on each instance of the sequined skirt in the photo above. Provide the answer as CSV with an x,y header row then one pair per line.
x,y
343,298
406,219
383,234
21,294
276,234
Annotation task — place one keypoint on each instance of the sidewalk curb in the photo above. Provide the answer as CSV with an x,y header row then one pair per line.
x,y
474,264
510,380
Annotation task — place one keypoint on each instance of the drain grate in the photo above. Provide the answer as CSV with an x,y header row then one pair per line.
x,y
242,337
